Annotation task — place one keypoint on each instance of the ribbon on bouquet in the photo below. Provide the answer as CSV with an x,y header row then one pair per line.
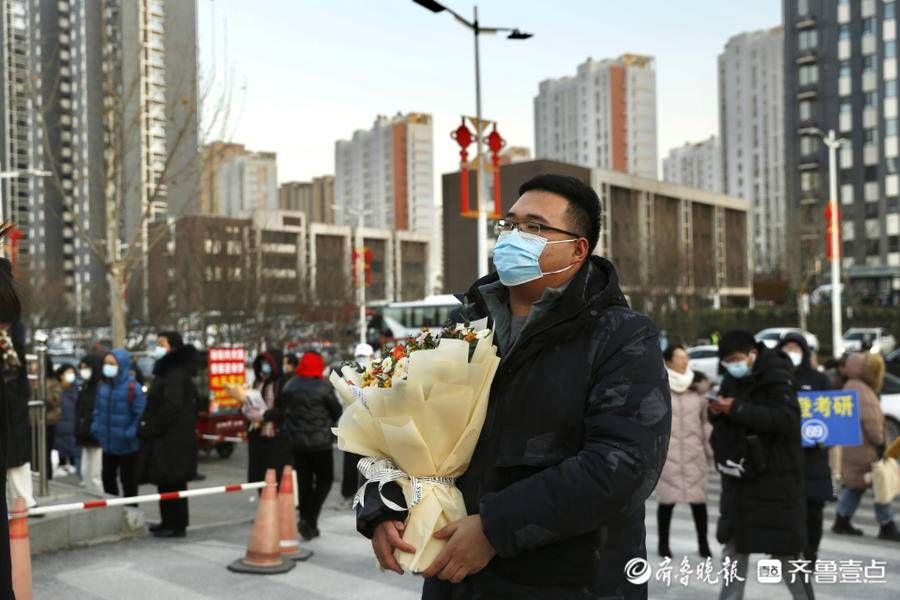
x,y
383,471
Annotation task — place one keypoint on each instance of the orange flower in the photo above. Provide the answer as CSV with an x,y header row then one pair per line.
x,y
398,352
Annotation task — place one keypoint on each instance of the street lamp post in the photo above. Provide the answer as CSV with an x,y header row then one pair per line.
x,y
360,265
833,143
475,27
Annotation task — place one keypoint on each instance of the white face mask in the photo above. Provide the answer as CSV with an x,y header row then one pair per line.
x,y
86,374
680,382
796,358
69,377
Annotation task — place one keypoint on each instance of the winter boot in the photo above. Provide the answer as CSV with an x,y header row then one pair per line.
x,y
704,550
889,532
842,526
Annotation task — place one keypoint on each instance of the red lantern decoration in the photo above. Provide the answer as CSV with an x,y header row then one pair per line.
x,y
464,138
495,144
15,236
829,228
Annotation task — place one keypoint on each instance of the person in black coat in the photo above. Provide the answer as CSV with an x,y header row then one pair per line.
x,y
90,370
757,449
305,411
817,469
267,448
577,426
17,392
168,431
10,309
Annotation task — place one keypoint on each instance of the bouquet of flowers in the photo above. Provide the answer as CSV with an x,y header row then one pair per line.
x,y
416,416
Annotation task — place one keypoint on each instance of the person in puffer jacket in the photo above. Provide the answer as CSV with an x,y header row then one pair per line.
x,y
305,411
118,408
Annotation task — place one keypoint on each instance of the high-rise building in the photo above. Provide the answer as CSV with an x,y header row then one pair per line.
x,y
138,145
697,165
212,156
604,116
841,74
248,182
386,174
314,198
751,126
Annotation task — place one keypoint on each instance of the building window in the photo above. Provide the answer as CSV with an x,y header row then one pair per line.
x,y
809,74
870,135
807,144
890,88
870,63
844,70
802,8
890,49
806,110
807,39
844,33
870,25
889,10
846,107
809,181
870,99
890,127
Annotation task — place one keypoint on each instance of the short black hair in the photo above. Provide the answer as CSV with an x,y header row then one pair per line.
x,y
584,204
736,341
669,352
292,359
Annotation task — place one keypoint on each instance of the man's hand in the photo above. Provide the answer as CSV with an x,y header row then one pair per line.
x,y
467,552
722,406
386,538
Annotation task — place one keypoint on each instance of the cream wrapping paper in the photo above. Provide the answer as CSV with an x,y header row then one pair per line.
x,y
424,429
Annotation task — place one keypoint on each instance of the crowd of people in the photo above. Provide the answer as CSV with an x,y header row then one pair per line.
x,y
773,488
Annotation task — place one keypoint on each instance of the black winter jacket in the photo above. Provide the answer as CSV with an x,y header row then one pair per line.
x,y
84,406
168,429
817,469
574,441
305,411
765,514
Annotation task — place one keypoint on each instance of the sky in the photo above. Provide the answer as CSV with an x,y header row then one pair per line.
x,y
301,74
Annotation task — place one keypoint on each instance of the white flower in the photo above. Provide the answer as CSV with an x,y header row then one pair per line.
x,y
401,369
387,365
483,334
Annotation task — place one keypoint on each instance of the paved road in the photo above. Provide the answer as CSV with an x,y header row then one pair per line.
x,y
343,568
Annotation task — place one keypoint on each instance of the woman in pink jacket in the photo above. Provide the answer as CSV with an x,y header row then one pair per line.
x,y
683,477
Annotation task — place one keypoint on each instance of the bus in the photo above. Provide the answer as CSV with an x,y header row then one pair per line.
x,y
398,320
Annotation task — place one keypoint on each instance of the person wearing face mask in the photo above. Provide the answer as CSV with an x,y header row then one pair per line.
x,y
757,449
118,407
90,371
267,448
683,477
577,426
168,456
816,468
65,445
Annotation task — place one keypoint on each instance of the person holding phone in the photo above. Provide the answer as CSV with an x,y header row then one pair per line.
x,y
757,449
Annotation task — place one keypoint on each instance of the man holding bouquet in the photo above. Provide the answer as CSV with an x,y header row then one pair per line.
x,y
577,426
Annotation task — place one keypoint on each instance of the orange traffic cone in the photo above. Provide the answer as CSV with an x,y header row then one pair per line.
x,y
20,550
263,555
287,519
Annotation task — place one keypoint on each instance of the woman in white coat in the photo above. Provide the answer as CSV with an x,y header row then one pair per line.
x,y
683,478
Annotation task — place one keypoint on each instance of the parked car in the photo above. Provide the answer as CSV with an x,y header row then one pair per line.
x,y
892,361
890,406
873,339
771,336
706,360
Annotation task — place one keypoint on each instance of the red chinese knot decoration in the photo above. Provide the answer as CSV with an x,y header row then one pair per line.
x,y
464,138
495,144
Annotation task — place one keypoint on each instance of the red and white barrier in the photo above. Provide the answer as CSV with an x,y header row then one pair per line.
x,y
223,438
222,489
